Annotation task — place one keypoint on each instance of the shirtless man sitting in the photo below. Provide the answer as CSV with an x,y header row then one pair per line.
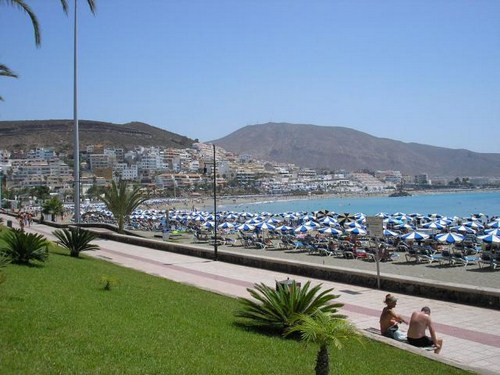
x,y
419,322
390,320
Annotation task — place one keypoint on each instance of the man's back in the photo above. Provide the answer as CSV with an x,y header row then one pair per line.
x,y
418,324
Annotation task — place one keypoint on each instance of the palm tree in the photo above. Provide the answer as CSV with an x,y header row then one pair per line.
x,y
21,4
6,72
277,309
324,330
22,247
121,201
34,20
75,240
53,206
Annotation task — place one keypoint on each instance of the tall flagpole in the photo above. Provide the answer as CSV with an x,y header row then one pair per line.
x,y
76,157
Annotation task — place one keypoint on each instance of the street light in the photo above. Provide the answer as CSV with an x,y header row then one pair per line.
x,y
215,199
76,157
215,206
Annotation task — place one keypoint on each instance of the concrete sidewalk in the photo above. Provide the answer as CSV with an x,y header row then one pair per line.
x,y
471,334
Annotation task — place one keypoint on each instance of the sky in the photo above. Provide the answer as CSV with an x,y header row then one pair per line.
x,y
425,71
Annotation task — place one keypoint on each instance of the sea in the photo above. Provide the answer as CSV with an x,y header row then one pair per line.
x,y
461,204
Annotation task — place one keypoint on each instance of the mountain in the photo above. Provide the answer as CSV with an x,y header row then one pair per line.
x,y
24,135
336,148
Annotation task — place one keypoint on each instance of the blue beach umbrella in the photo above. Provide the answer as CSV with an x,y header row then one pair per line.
x,y
414,236
265,226
246,227
490,238
495,231
494,224
464,229
226,225
450,237
357,231
390,233
311,223
331,231
434,225
284,228
303,229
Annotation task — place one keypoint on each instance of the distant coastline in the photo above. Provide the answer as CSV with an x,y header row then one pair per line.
x,y
206,203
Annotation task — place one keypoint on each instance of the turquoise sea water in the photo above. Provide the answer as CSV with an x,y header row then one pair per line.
x,y
451,204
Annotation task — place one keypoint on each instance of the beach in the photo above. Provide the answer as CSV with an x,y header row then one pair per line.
x,y
472,275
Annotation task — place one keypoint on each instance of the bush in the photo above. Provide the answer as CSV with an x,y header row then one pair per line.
x,y
278,309
75,240
21,247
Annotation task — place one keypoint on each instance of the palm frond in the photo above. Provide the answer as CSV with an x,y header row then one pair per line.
x,y
34,20
75,240
23,247
281,307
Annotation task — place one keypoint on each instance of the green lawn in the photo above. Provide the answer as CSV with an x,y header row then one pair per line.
x,y
57,319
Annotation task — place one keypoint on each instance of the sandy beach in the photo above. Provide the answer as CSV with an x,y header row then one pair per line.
x,y
470,275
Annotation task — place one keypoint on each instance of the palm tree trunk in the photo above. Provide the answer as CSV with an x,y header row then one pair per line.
x,y
322,361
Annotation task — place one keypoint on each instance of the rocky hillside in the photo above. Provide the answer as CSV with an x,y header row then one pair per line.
x,y
343,148
24,135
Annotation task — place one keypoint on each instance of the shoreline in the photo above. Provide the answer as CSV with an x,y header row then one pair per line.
x,y
206,204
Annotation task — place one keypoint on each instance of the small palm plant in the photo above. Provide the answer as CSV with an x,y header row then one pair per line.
x,y
75,240
324,330
23,247
278,309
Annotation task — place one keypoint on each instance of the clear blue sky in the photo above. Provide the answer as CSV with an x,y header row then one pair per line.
x,y
425,71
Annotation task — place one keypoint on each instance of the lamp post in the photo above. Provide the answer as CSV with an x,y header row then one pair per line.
x,y
215,198
76,157
215,206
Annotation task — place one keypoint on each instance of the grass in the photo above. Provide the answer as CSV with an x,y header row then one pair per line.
x,y
56,318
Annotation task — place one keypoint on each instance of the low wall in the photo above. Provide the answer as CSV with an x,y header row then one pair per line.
x,y
476,296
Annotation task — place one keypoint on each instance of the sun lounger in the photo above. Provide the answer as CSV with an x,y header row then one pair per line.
x,y
488,260
458,259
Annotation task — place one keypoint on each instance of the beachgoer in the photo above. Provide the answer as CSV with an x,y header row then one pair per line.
x,y
421,321
390,320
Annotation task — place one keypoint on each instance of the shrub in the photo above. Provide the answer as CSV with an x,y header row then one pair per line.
x,y
23,247
75,240
108,281
278,309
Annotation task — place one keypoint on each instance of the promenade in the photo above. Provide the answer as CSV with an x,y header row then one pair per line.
x,y
471,334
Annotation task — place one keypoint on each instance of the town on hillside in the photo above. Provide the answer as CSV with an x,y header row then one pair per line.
x,y
188,173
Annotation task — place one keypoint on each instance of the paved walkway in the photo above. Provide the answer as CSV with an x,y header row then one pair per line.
x,y
471,334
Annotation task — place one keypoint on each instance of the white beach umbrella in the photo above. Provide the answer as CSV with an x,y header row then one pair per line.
x,y
357,231
390,233
265,226
303,229
414,236
494,224
450,237
284,228
464,229
245,227
331,231
226,225
434,225
311,223
490,238
495,231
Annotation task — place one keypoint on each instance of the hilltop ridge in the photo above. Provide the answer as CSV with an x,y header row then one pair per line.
x,y
336,147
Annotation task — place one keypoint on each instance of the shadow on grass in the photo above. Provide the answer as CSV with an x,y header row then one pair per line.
x,y
266,331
